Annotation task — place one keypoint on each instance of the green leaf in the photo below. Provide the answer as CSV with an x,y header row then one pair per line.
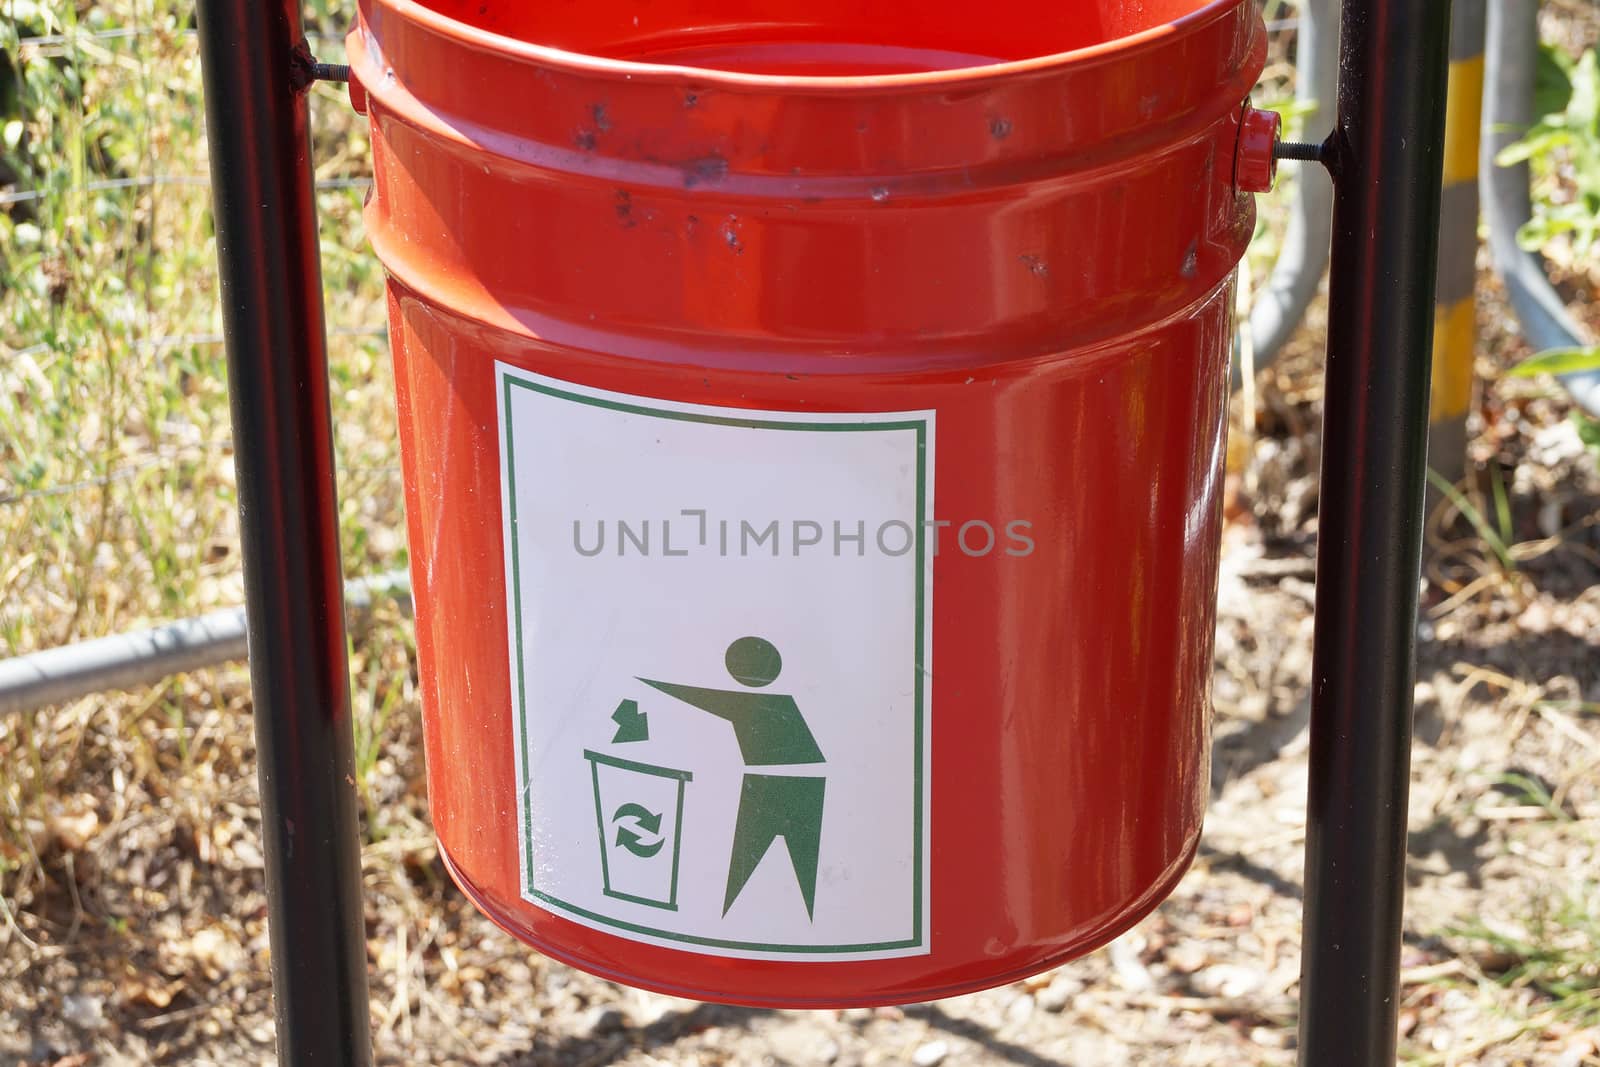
x,y
1588,430
1541,140
1534,234
1475,517
1552,81
1557,361
1583,110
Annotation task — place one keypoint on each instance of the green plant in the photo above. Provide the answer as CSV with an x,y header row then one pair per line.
x,y
1563,148
117,500
1553,953
1533,793
1557,361
1565,361
1499,541
1588,432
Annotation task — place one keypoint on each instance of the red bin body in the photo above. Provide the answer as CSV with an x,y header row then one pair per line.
x,y
812,418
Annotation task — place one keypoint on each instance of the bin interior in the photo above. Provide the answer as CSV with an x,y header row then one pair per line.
x,y
818,37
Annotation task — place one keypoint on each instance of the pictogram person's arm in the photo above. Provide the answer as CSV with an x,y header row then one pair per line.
x,y
768,726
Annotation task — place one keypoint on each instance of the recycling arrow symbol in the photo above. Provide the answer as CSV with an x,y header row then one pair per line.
x,y
638,830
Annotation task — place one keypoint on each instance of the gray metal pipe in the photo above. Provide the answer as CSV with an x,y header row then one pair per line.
x,y
143,657
1278,307
1455,336
1510,61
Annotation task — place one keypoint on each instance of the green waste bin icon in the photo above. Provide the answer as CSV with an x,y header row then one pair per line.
x,y
638,810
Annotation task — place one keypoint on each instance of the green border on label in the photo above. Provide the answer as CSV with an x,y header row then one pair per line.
x,y
920,427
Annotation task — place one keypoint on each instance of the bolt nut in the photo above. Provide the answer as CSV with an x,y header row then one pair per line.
x,y
1255,167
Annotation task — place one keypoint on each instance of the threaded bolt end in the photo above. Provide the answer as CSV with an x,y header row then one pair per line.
x,y
1306,153
330,72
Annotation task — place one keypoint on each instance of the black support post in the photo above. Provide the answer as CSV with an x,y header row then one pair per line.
x,y
256,73
1386,153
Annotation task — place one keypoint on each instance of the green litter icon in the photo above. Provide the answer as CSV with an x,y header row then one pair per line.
x,y
638,811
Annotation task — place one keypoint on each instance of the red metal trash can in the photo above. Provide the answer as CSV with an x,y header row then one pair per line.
x,y
812,418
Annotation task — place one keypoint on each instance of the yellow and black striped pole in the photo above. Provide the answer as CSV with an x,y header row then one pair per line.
x,y
1454,332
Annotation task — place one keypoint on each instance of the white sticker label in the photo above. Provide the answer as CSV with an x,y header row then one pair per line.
x,y
719,623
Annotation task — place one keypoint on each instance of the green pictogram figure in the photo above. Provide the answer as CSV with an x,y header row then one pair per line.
x,y
771,732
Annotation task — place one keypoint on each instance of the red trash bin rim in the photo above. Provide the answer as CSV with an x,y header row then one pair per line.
x,y
581,63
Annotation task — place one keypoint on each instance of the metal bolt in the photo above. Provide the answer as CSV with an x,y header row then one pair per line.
x,y
1307,153
330,72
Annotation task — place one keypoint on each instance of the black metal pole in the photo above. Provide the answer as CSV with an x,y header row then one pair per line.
x,y
1386,153
256,73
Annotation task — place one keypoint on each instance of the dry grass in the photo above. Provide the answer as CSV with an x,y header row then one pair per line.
x,y
129,872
